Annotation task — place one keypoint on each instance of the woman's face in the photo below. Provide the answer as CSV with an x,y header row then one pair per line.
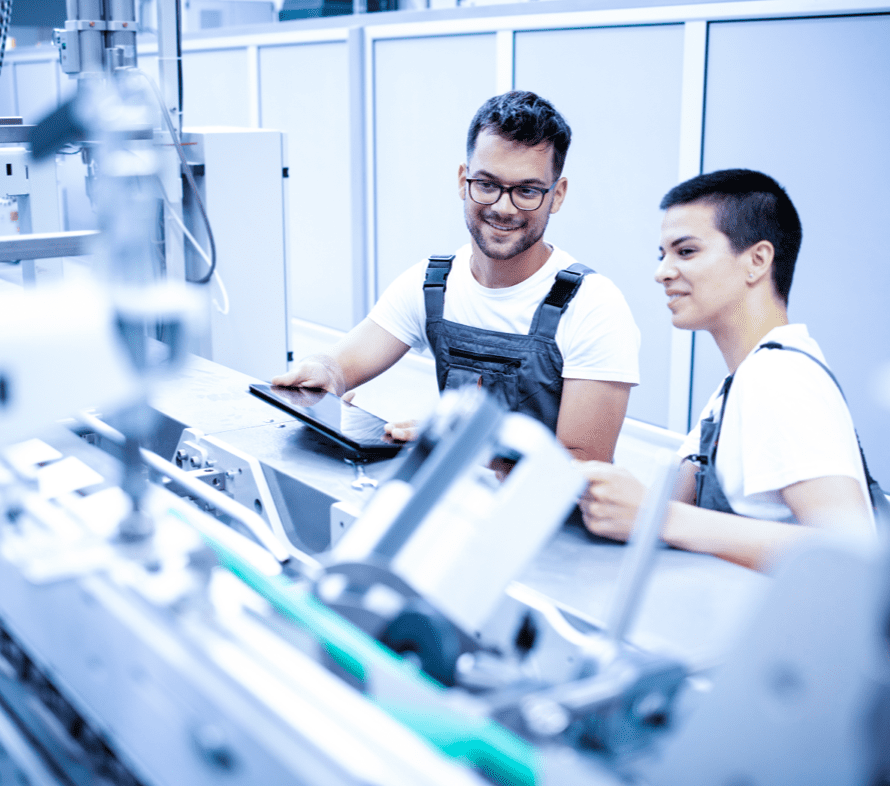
x,y
704,279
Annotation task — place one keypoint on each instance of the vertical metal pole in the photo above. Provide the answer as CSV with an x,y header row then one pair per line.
x,y
120,16
170,84
692,111
645,540
170,59
358,165
504,57
252,54
91,40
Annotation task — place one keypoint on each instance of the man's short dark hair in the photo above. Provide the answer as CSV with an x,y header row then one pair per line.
x,y
524,117
749,207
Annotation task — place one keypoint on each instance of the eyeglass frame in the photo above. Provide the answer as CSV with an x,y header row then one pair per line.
x,y
509,190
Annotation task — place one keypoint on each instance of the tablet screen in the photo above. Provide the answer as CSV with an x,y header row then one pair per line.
x,y
343,422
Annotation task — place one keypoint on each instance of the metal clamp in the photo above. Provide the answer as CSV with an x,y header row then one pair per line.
x,y
86,24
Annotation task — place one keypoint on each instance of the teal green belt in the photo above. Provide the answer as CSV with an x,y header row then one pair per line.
x,y
489,747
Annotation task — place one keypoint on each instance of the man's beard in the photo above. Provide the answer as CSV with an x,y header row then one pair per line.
x,y
493,250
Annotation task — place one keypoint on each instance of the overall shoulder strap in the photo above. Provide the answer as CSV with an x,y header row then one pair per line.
x,y
437,271
701,457
564,288
869,480
777,345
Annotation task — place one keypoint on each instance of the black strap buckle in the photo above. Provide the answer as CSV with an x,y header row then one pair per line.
x,y
437,271
563,288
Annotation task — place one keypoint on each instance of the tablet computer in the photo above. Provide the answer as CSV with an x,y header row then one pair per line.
x,y
346,424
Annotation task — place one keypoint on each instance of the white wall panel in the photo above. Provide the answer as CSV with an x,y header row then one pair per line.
x,y
426,92
37,88
67,86
215,88
812,109
8,106
619,89
304,92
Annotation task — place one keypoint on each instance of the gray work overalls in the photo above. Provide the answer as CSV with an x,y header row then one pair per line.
x,y
709,494
523,372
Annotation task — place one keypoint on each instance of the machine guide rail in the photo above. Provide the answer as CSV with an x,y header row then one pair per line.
x,y
75,751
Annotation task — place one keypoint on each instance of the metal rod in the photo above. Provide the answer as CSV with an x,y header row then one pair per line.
x,y
214,498
644,541
47,245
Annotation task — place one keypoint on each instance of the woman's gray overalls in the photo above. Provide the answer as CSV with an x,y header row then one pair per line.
x,y
709,494
523,372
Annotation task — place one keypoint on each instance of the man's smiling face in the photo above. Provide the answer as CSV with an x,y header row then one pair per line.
x,y
502,231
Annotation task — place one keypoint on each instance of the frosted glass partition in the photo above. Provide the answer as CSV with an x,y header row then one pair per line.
x,y
426,92
37,89
8,106
215,88
812,109
619,90
314,112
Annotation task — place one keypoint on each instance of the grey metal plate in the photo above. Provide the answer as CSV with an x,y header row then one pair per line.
x,y
212,398
695,605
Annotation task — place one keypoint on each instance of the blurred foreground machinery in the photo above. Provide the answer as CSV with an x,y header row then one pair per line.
x,y
208,648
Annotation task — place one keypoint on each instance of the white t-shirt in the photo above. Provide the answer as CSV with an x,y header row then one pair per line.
x,y
597,335
785,421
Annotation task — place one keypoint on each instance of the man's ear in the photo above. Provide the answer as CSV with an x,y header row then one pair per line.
x,y
462,181
559,194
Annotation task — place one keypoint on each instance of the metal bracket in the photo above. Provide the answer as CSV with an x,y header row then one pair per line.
x,y
210,476
237,474
86,24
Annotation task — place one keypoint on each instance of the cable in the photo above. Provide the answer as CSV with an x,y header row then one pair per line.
x,y
187,171
224,309
5,17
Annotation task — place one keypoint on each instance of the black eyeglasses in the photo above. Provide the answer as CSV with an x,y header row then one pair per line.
x,y
484,192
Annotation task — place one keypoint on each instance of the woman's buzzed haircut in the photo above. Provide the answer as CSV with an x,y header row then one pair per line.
x,y
524,117
749,207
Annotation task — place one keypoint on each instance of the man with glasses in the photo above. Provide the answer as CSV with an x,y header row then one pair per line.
x,y
508,312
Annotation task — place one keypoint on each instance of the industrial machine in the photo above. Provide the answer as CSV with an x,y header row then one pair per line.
x,y
196,588
416,647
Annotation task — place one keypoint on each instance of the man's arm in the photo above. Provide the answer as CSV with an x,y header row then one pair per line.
x,y
591,414
610,505
363,353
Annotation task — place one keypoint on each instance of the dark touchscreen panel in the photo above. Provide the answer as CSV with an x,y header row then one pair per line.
x,y
343,422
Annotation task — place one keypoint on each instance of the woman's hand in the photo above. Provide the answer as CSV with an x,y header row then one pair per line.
x,y
613,497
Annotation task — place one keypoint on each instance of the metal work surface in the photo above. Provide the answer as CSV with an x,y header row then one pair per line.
x,y
212,398
305,472
694,606
215,400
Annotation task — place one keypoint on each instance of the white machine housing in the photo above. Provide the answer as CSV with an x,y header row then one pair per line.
x,y
243,187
